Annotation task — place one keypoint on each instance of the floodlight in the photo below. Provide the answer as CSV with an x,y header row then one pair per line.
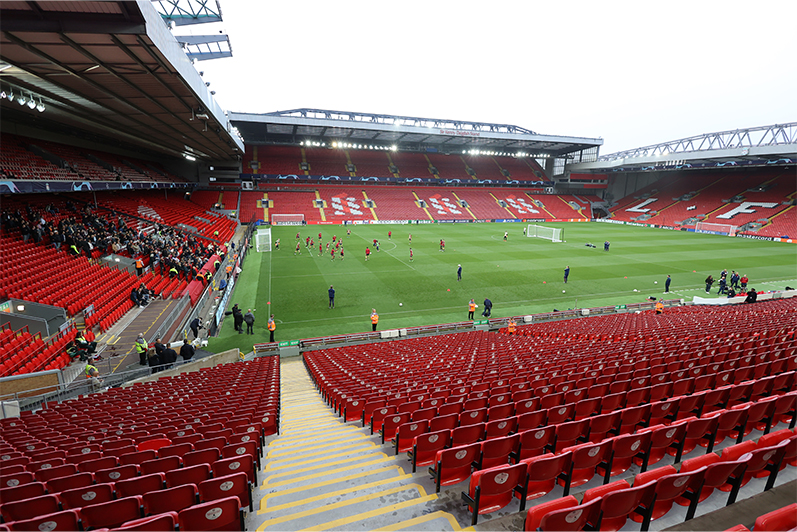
x,y
10,95
21,99
40,107
190,157
394,147
20,307
2,94
31,102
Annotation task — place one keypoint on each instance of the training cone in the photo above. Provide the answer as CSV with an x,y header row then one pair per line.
x,y
448,289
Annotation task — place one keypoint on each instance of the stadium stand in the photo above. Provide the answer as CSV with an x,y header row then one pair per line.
x,y
298,201
402,203
287,160
664,373
684,199
485,167
370,163
411,164
57,458
273,160
449,166
326,162
27,158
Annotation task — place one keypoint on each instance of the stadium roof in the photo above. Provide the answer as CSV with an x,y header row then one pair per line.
x,y
110,72
407,133
774,144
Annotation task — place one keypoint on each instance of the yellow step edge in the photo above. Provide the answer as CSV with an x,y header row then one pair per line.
x,y
397,469
412,524
267,485
373,513
347,451
302,502
341,504
276,453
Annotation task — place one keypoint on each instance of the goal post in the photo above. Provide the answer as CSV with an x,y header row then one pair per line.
x,y
728,229
263,239
287,219
554,234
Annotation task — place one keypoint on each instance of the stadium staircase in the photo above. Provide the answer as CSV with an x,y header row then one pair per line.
x,y
321,473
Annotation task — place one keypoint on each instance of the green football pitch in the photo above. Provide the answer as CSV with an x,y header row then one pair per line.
x,y
520,275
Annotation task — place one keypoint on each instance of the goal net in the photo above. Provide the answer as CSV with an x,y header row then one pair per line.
x,y
728,229
554,234
287,219
263,239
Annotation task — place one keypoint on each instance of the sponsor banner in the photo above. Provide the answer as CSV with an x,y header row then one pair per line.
x,y
757,237
287,223
24,187
534,220
703,231
224,300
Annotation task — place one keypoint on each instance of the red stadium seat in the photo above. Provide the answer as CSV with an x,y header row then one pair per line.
x,y
492,489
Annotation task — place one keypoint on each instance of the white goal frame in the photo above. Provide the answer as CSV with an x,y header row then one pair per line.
x,y
263,239
554,234
287,219
728,229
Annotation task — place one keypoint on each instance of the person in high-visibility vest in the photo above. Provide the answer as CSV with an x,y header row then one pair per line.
x,y
512,325
93,376
659,307
471,308
271,327
139,267
142,347
374,319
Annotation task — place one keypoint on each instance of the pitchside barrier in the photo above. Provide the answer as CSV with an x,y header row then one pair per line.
x,y
266,349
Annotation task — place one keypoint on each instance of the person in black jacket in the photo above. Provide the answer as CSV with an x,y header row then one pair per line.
x,y
187,350
488,308
195,325
238,317
752,296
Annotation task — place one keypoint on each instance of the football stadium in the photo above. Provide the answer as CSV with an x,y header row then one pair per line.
x,y
314,319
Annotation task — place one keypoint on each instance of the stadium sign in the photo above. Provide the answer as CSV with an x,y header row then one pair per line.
x,y
294,178
757,237
460,133
26,187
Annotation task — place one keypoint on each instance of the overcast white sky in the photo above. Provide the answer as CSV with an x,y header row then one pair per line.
x,y
633,73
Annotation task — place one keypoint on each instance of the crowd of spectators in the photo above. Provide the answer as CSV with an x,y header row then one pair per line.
x,y
80,230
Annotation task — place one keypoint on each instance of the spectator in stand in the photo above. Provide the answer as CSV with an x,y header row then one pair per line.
x,y
135,298
89,347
